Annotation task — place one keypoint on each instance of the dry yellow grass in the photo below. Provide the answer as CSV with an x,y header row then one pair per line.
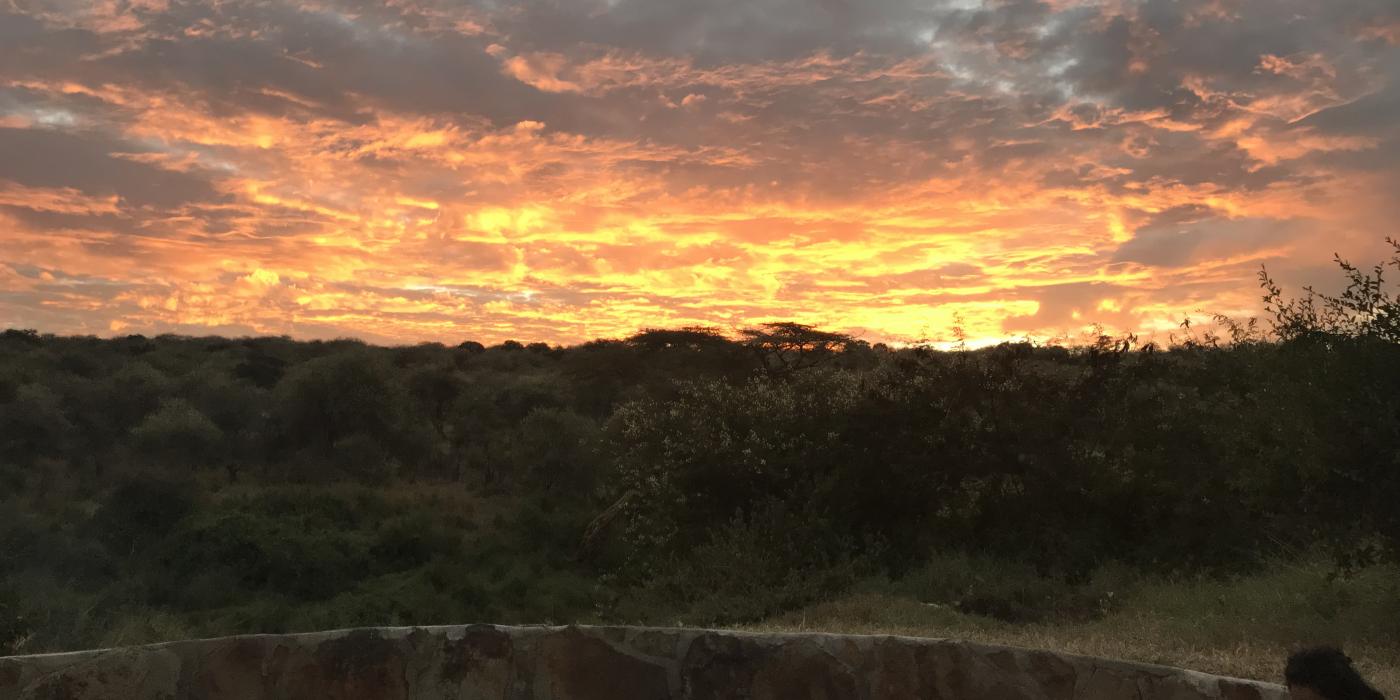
x,y
1243,628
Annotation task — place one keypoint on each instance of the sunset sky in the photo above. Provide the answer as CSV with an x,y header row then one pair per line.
x,y
571,169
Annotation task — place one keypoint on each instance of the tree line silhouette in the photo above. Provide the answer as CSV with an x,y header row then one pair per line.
x,y
226,485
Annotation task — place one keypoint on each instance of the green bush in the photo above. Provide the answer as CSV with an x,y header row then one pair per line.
x,y
178,432
557,450
412,540
349,404
771,560
142,509
34,424
268,556
131,393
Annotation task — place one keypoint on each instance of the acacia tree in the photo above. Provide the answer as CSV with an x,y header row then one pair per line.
x,y
785,347
691,337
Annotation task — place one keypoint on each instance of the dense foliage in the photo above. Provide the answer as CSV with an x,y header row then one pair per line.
x,y
173,486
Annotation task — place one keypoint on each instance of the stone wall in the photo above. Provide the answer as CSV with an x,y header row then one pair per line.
x,y
591,663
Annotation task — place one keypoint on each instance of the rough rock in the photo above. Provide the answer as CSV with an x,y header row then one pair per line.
x,y
476,662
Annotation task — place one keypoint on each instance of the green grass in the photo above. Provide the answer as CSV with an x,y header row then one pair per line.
x,y
1241,626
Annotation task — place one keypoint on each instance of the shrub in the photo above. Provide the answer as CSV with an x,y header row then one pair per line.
x,y
410,541
178,432
351,395
557,450
142,509
34,424
267,555
771,560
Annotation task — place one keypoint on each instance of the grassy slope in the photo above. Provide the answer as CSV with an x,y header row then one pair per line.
x,y
1243,627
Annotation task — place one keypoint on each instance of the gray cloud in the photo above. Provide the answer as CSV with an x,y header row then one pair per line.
x,y
48,158
725,31
1169,244
1059,303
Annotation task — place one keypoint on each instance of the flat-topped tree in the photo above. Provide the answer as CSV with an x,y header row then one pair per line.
x,y
689,337
785,347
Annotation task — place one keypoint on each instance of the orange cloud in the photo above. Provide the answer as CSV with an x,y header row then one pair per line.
x,y
432,172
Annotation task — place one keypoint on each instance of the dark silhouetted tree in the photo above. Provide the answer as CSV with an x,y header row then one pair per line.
x,y
784,348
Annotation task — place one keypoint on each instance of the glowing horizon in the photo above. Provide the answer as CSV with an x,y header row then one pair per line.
x,y
564,171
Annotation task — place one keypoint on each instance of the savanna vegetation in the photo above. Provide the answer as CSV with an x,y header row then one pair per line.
x,y
1210,501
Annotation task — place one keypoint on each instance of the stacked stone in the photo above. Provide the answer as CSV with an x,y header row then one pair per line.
x,y
596,663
